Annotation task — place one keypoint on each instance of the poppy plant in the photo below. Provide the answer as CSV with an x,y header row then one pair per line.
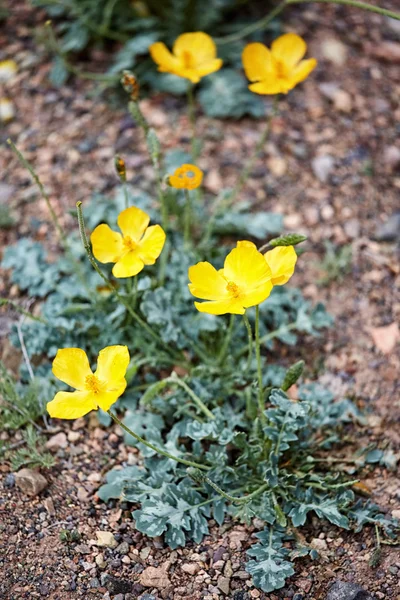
x,y
139,244
280,69
244,281
193,56
93,390
186,177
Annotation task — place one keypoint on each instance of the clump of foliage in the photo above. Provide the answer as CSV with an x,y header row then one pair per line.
x,y
218,430
20,406
336,263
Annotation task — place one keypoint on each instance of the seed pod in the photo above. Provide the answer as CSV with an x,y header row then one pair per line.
x,y
292,375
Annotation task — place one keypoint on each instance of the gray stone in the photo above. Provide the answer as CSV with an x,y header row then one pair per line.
x,y
341,590
94,583
389,231
30,482
322,166
123,548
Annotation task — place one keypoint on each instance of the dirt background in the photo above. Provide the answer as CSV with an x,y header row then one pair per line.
x,y
332,167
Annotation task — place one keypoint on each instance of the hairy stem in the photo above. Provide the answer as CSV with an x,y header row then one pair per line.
x,y
188,463
188,219
227,340
261,406
224,202
199,403
250,339
192,119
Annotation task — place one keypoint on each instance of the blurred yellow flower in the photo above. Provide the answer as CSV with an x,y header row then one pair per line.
x,y
244,281
281,260
187,177
193,56
280,69
8,69
7,111
93,390
139,244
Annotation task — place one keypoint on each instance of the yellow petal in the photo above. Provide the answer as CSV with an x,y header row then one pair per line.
x,y
245,266
133,222
221,307
128,266
302,71
209,66
71,365
106,244
257,62
71,405
112,364
163,58
289,48
269,87
282,261
106,399
199,45
207,283
246,244
258,295
151,244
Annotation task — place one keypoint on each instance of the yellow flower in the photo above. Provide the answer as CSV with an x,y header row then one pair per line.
x,y
193,56
281,260
94,390
187,177
244,281
7,112
139,244
8,69
280,69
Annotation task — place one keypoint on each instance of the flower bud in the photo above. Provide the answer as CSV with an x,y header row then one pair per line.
x,y
130,85
120,167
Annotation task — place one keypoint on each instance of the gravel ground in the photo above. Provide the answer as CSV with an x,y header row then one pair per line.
x,y
332,167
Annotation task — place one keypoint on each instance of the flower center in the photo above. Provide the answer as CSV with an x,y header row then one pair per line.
x,y
187,59
233,289
129,243
93,384
281,69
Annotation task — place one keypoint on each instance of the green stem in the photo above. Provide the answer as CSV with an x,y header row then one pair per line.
x,y
192,119
250,339
188,219
363,5
137,437
227,339
63,238
265,21
272,335
261,406
202,478
43,192
126,196
236,499
199,403
257,26
224,202
120,298
22,311
243,177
